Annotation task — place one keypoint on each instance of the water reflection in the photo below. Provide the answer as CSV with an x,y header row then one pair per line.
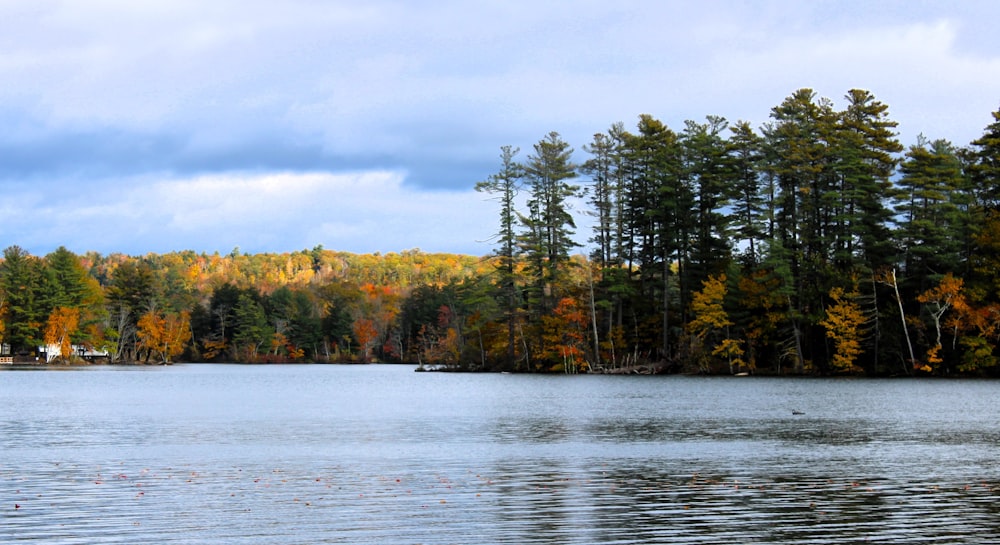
x,y
530,430
383,455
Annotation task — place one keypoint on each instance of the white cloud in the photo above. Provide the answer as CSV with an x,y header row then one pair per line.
x,y
207,125
277,212
929,84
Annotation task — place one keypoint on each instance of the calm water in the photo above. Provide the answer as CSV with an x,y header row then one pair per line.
x,y
383,455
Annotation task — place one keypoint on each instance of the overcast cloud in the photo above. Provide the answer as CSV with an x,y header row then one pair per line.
x,y
363,126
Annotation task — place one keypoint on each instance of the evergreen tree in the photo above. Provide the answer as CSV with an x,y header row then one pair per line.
x,y
549,224
609,169
800,148
658,212
601,170
984,180
20,283
711,173
865,147
505,185
985,171
70,286
748,210
929,230
250,328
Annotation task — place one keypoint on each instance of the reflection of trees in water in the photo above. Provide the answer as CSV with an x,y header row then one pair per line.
x,y
568,500
531,430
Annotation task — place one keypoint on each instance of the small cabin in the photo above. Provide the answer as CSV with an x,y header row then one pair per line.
x,y
51,352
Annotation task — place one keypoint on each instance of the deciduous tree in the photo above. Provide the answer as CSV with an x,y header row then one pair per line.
x,y
844,324
938,300
62,324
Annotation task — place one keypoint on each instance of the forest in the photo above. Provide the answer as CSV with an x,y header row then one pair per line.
x,y
815,244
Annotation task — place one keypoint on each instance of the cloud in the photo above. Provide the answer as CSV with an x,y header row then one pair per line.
x,y
930,84
110,101
275,212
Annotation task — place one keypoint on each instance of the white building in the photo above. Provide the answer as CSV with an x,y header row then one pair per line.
x,y
52,352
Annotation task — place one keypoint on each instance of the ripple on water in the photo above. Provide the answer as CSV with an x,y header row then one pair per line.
x,y
375,455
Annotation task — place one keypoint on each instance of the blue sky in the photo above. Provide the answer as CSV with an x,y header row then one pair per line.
x,y
363,126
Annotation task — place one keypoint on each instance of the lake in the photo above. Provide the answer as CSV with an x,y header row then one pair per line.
x,y
378,454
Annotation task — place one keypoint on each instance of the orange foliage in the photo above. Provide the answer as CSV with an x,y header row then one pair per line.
x,y
565,336
365,334
947,294
62,324
164,335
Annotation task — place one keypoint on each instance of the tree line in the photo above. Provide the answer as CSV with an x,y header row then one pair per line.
x,y
814,244
310,306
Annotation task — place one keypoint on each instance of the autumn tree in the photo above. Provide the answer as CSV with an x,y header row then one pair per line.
x,y
62,324
844,323
975,329
441,342
366,335
937,300
710,323
163,336
377,309
133,290
565,333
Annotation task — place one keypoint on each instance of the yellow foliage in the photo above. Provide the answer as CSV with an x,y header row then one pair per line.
x,y
213,347
706,306
732,351
710,316
843,323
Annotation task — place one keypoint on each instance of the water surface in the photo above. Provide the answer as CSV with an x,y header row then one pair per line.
x,y
380,454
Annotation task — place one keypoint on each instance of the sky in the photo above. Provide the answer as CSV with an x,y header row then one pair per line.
x,y
363,126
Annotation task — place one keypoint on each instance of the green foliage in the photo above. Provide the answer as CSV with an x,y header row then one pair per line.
x,y
250,328
23,312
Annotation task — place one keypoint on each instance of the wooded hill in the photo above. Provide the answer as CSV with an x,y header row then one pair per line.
x,y
814,244
313,305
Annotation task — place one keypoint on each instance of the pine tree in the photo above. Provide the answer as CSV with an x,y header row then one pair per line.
x,y
985,170
20,283
931,217
549,224
505,185
864,147
710,173
744,147
801,162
